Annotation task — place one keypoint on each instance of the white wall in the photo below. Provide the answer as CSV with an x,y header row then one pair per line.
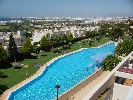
x,y
37,36
124,75
120,91
20,41
2,41
21,32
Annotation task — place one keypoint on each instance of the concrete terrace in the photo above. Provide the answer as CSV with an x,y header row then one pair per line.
x,y
83,92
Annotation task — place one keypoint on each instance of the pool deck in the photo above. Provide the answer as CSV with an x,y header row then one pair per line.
x,y
84,91
78,95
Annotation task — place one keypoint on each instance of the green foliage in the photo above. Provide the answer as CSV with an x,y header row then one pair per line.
x,y
12,48
44,42
3,57
124,47
12,78
103,31
116,32
110,62
87,34
52,40
27,47
1,73
90,34
64,37
4,28
28,35
15,27
70,37
35,43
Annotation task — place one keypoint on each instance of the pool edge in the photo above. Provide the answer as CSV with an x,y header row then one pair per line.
x,y
6,95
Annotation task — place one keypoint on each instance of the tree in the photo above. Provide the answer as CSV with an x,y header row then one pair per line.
x,y
64,39
1,74
12,48
27,47
70,37
110,62
116,32
124,47
103,31
87,34
28,35
98,39
3,57
44,42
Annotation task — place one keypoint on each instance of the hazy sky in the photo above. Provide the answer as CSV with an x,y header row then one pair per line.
x,y
66,8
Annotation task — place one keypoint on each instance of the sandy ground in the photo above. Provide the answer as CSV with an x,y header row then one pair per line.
x,y
84,91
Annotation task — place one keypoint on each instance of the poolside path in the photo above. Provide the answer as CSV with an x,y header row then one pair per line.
x,y
84,91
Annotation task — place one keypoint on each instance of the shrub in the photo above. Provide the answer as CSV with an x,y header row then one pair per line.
x,y
110,62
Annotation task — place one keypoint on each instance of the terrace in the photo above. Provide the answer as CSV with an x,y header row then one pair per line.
x,y
119,80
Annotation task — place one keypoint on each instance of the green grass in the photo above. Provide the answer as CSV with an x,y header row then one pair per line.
x,y
4,27
14,76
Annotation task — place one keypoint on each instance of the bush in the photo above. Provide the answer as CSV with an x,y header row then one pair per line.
x,y
124,47
110,62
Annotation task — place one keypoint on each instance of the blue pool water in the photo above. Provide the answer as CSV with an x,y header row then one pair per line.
x,y
66,72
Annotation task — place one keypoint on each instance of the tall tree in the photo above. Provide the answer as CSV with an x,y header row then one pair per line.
x,y
103,31
44,42
28,35
27,47
70,37
12,48
116,32
3,57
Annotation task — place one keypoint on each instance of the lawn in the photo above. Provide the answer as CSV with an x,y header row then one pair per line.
x,y
14,76
4,27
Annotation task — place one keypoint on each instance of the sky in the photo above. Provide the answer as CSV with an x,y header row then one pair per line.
x,y
66,8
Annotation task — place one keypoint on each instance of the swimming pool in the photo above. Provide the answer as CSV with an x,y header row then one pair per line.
x,y
66,72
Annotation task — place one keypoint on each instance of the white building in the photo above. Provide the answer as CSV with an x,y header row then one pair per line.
x,y
4,39
19,33
37,36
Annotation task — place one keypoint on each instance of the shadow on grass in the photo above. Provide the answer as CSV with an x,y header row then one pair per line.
x,y
57,51
31,57
43,55
3,76
6,66
3,88
17,67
